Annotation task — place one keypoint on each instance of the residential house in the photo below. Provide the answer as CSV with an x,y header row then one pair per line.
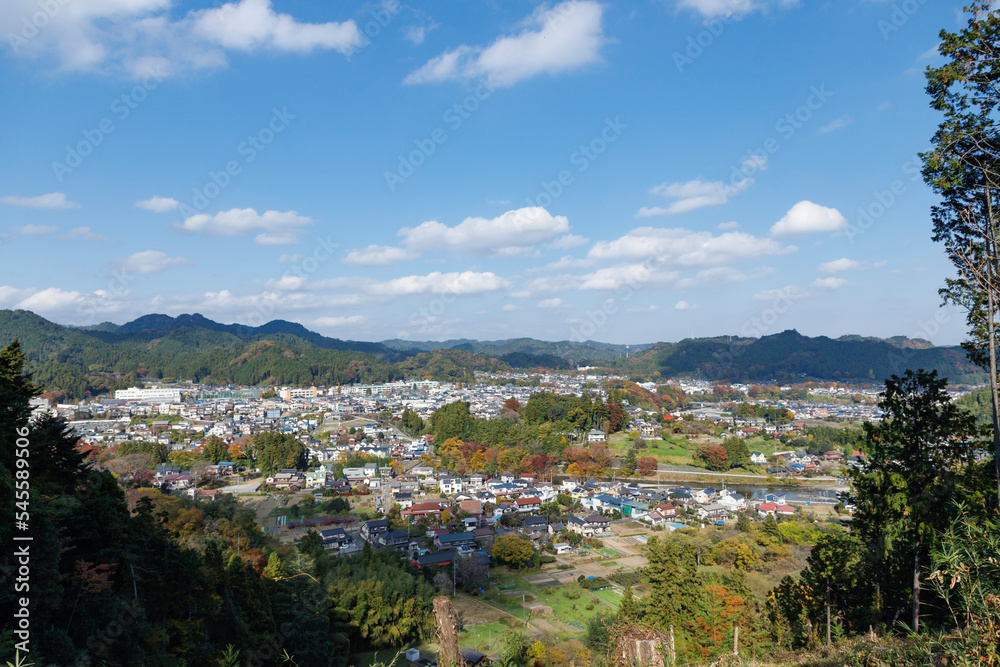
x,y
455,540
370,529
595,524
758,458
450,485
528,505
713,512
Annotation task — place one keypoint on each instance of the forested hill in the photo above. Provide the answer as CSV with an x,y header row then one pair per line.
x,y
75,361
789,356
72,361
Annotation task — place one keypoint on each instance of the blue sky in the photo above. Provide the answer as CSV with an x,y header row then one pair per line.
x,y
623,172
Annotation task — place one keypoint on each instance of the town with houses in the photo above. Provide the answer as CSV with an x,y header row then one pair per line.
x,y
182,416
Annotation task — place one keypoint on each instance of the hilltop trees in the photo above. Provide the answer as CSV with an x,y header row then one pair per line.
x,y
920,461
964,170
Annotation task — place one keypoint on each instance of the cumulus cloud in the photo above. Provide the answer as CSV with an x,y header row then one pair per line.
x,y
416,34
685,248
275,227
53,200
684,305
553,40
35,230
829,283
808,218
722,275
149,261
711,9
515,232
550,303
135,37
377,255
693,195
568,241
634,274
251,24
841,265
83,234
466,282
348,320
785,293
510,308
729,225
158,204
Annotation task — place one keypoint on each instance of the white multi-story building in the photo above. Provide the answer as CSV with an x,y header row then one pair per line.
x,y
154,395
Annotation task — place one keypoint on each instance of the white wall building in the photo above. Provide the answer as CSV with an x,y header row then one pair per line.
x,y
154,395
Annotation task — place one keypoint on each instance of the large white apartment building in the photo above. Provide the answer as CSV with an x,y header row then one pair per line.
x,y
154,395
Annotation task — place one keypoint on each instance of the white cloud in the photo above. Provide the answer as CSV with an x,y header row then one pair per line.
x,y
840,265
838,124
158,204
149,261
377,255
554,40
550,303
711,9
135,37
288,283
53,200
787,292
829,282
635,275
49,299
685,248
418,33
276,227
339,321
467,282
247,25
83,234
808,218
513,233
35,230
684,305
722,275
729,225
693,195
510,308
568,241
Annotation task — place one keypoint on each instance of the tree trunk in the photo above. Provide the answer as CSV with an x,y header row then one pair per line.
x,y
828,642
916,587
990,328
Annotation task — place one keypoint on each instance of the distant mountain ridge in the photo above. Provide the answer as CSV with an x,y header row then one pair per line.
x,y
78,360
